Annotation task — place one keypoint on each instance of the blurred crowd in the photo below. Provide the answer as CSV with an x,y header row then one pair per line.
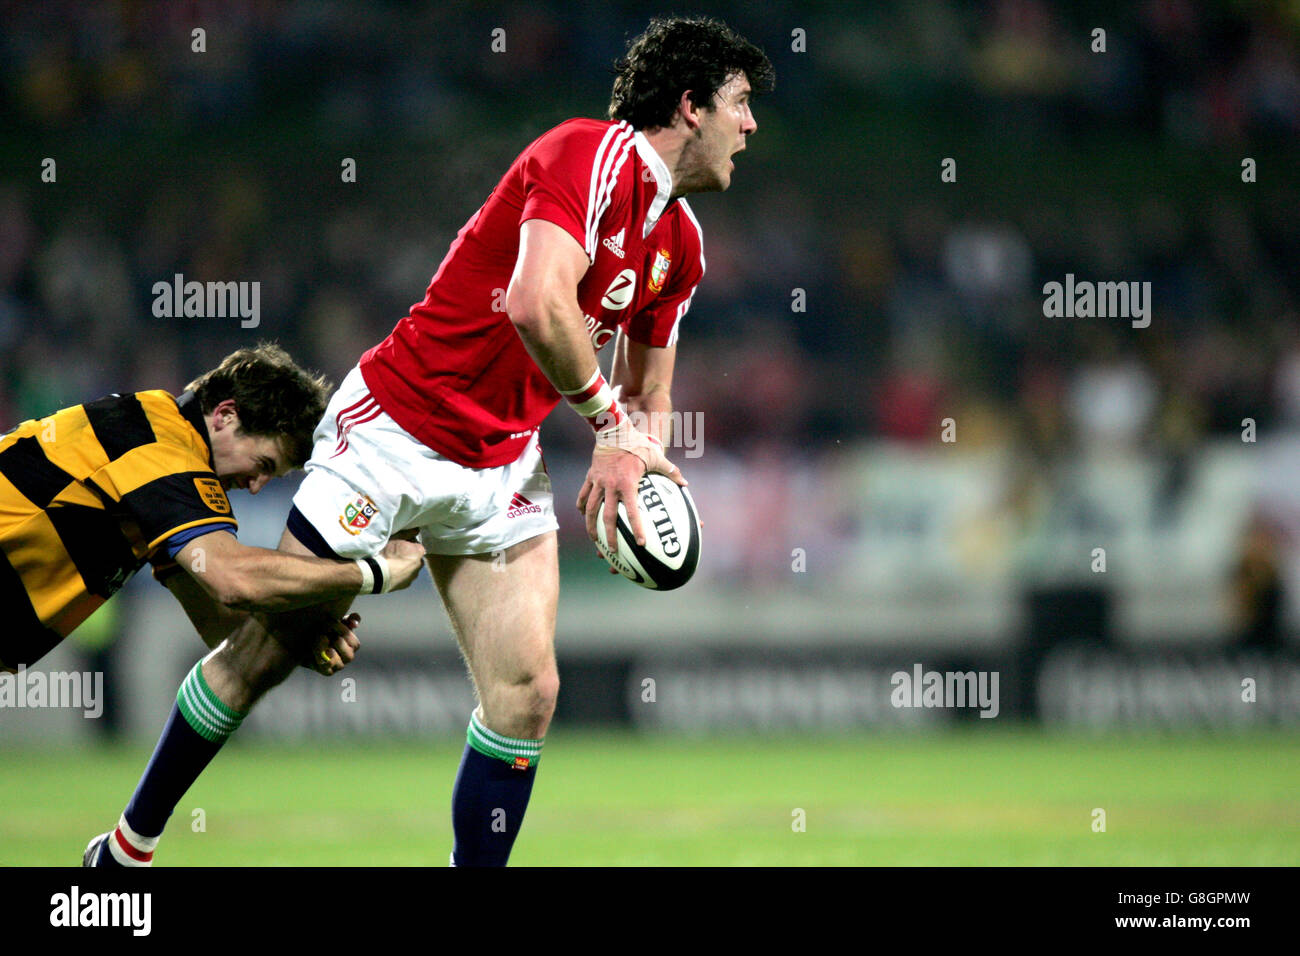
x,y
850,293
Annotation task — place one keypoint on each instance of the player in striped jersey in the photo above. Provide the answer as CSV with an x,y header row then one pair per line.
x,y
92,492
587,239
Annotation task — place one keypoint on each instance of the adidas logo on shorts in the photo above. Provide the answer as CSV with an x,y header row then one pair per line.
x,y
519,505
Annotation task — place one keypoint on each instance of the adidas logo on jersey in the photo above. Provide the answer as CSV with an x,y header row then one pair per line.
x,y
519,505
614,243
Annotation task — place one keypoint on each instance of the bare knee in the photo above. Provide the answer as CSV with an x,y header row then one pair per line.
x,y
544,691
522,707
245,667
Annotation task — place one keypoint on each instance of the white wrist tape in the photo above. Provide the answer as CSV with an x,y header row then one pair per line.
x,y
596,402
375,576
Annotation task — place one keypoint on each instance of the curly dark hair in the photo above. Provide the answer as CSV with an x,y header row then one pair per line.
x,y
273,396
676,54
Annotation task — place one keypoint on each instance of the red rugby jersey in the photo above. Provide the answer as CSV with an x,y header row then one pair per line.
x,y
455,374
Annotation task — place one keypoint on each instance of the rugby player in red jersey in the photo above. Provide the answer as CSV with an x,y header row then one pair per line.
x,y
586,239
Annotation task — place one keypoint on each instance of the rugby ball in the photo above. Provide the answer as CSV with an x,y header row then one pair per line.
x,y
672,536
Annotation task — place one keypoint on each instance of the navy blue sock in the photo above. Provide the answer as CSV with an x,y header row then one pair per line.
x,y
491,795
177,761
200,722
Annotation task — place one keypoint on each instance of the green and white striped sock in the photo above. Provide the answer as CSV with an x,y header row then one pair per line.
x,y
203,709
518,753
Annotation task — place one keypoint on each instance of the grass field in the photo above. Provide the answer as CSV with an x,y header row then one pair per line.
x,y
974,797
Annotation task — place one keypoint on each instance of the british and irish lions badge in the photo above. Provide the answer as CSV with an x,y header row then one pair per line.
x,y
357,514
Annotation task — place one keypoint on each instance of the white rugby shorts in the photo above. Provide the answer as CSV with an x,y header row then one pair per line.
x,y
368,479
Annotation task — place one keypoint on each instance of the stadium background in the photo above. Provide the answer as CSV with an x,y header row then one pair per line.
x,y
853,304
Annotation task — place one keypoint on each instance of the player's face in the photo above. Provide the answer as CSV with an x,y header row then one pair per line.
x,y
243,460
723,130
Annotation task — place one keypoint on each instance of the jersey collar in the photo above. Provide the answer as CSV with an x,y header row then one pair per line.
x,y
192,412
663,178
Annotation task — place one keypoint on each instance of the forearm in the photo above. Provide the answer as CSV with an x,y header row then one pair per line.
x,y
271,581
258,579
556,338
284,582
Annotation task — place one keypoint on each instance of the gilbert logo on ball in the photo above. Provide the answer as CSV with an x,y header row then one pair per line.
x,y
672,536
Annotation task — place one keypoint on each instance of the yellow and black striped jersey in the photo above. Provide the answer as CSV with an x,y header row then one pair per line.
x,y
87,495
